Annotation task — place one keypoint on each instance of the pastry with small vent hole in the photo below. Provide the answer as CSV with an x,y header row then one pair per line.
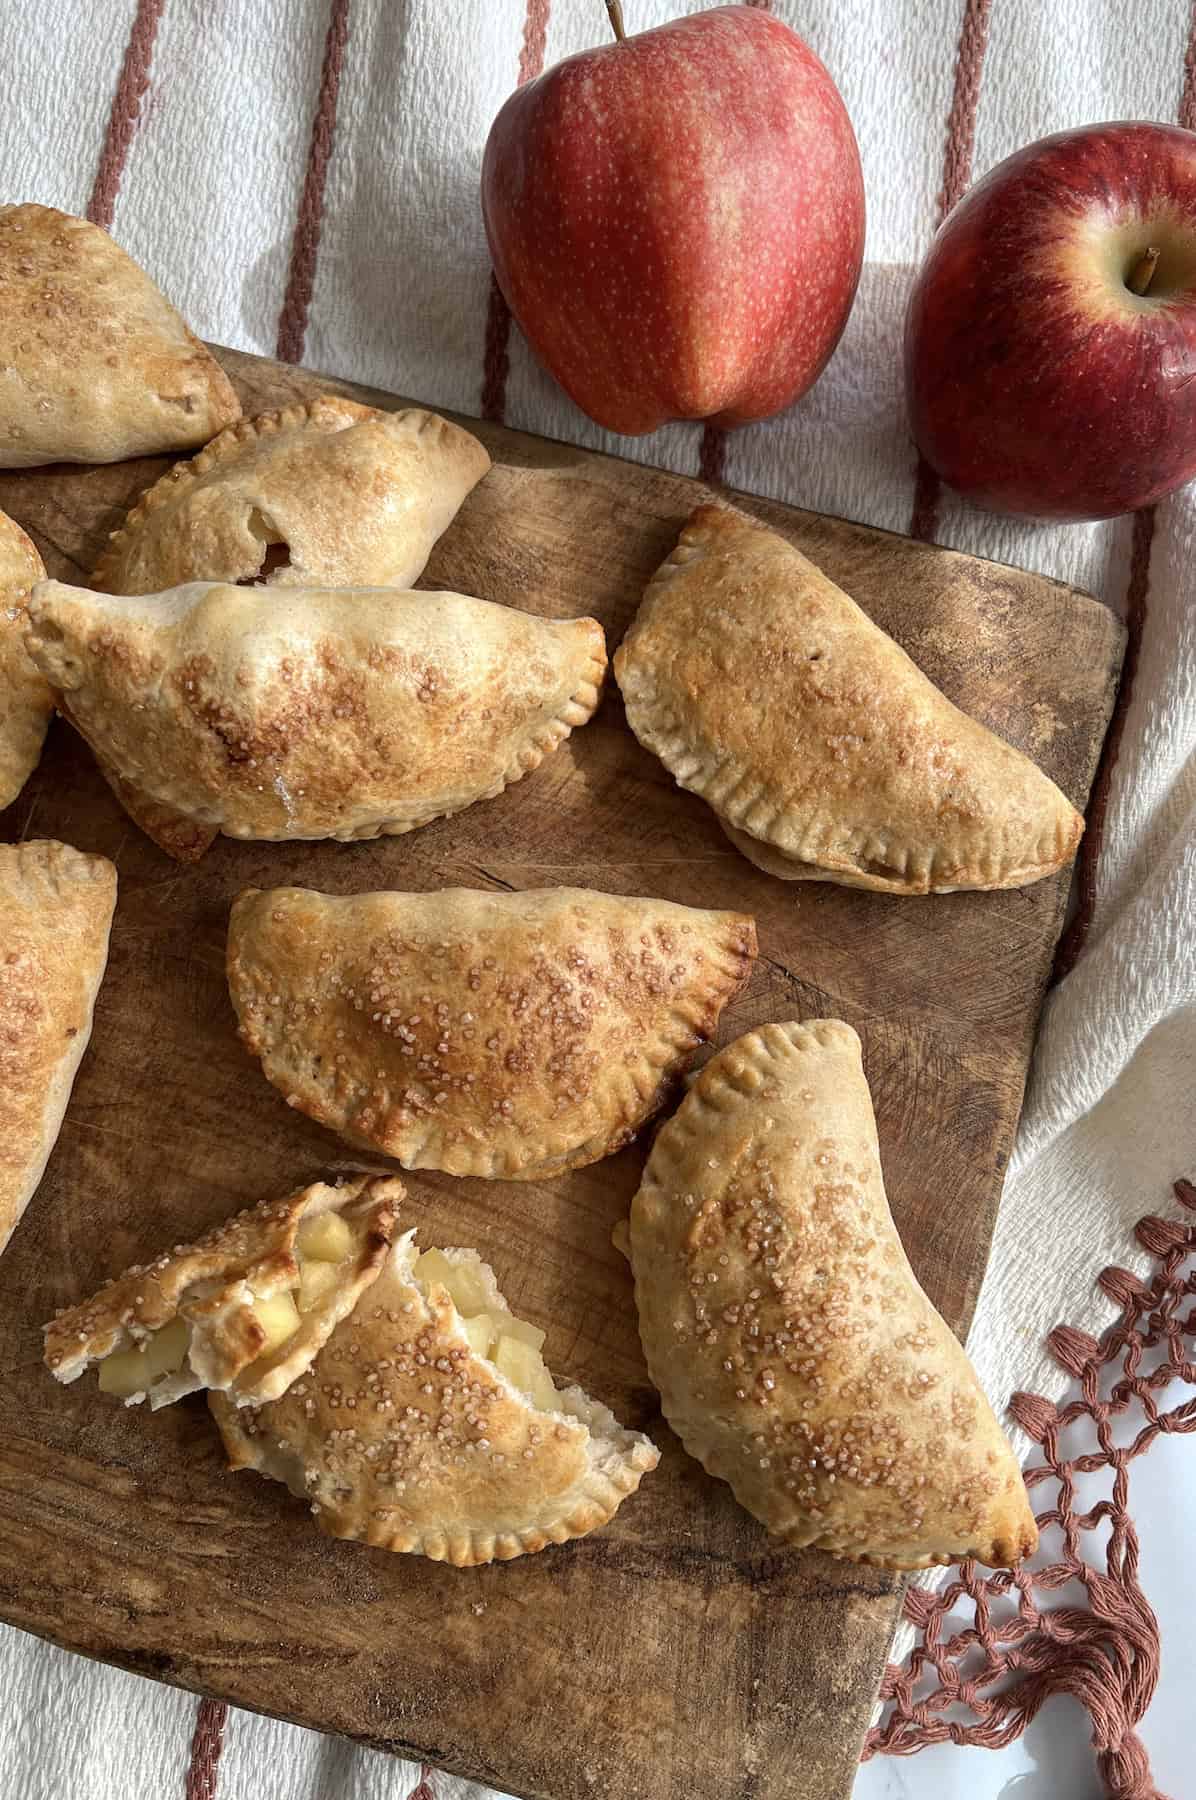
x,y
795,1354
429,1424
326,494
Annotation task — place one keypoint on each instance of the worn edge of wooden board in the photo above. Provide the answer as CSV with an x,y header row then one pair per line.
x,y
249,370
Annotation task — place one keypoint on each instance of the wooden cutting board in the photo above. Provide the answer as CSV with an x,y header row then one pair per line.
x,y
677,1654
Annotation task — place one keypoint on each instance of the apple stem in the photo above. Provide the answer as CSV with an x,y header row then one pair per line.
x,y
1139,278
614,9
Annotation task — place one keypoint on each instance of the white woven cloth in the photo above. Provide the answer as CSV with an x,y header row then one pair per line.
x,y
219,151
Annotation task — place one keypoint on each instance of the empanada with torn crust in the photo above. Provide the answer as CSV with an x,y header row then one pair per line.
x,y
26,703
56,907
504,1035
796,1356
825,752
429,1424
309,713
95,363
326,494
243,1310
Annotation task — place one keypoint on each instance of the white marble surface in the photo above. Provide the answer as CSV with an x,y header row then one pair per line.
x,y
1054,1760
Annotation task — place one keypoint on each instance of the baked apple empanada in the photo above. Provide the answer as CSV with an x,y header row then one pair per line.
x,y
825,752
796,1356
326,494
56,910
310,713
429,1424
506,1035
244,1310
95,363
26,703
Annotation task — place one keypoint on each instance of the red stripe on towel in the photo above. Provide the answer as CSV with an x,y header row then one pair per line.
x,y
957,174
125,114
497,363
203,1771
305,250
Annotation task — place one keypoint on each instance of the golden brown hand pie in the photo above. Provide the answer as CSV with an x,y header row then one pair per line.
x,y
506,1035
95,363
26,703
825,752
429,1424
56,910
243,1310
322,494
796,1356
310,713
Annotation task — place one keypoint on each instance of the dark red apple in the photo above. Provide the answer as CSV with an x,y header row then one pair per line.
x,y
1050,342
677,220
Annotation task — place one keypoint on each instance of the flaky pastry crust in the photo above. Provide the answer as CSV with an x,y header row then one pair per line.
x,y
796,1356
505,1035
402,1437
825,751
313,713
348,495
95,363
56,907
26,702
213,1284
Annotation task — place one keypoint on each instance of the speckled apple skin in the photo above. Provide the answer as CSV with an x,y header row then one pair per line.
x,y
677,220
1036,383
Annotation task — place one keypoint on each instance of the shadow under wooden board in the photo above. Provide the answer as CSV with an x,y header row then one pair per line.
x,y
679,1653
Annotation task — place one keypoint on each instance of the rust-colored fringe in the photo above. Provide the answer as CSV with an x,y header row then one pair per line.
x,y
1105,1654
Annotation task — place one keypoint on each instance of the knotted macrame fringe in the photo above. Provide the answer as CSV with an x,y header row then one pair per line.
x,y
1105,1654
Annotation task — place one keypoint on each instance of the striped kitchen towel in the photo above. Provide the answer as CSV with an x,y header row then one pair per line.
x,y
301,177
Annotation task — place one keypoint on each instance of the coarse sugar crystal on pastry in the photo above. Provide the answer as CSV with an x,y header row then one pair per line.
x,y
311,713
243,1310
824,750
96,365
510,1035
56,907
429,1424
325,493
796,1356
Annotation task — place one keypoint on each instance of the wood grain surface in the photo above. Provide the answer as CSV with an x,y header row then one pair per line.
x,y
677,1654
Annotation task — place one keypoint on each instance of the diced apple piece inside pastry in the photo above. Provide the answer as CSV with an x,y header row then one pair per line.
x,y
367,712
243,1310
426,1429
824,750
511,1036
796,1355
356,496
325,1237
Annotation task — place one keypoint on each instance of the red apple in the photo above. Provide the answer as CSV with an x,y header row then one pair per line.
x,y
1050,343
677,220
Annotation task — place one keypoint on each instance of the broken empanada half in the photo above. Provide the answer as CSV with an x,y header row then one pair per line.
x,y
26,703
825,752
323,494
493,1034
95,363
429,1424
796,1356
243,1310
56,907
309,713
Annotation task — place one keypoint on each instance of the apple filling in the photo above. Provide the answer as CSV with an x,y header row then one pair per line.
x,y
322,1246
494,1334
